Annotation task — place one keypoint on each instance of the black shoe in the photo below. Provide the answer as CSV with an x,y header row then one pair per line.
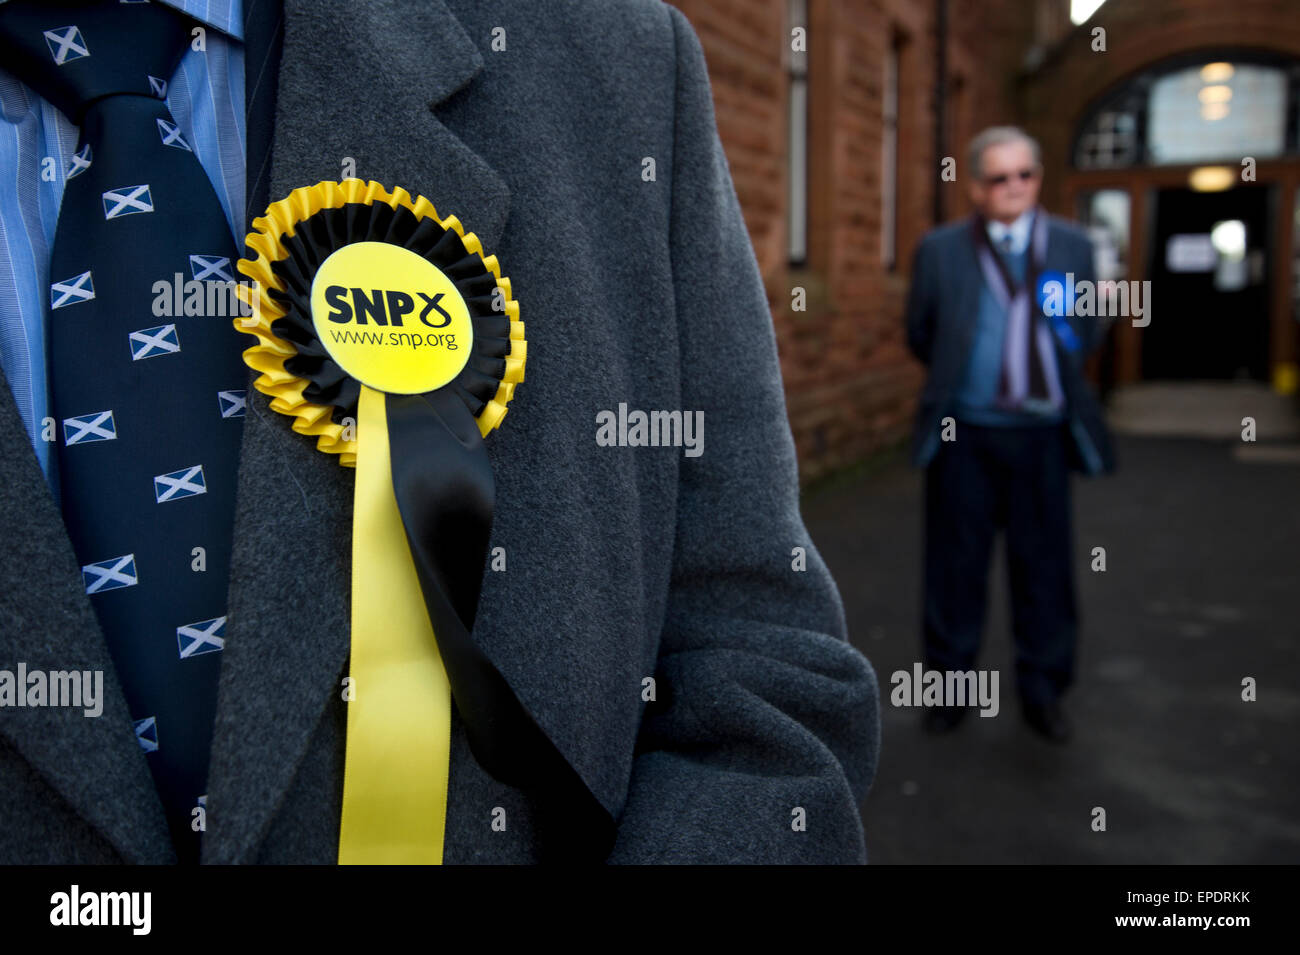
x,y
943,719
1047,719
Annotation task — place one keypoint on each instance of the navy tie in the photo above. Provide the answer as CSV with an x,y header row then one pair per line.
x,y
148,402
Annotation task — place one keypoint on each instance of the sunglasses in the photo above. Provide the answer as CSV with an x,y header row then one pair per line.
x,y
1001,180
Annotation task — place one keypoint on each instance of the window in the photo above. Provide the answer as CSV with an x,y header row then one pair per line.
x,y
1232,268
1105,214
1195,110
1109,142
1219,109
797,76
889,161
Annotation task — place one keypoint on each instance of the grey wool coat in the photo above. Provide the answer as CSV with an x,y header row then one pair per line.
x,y
622,562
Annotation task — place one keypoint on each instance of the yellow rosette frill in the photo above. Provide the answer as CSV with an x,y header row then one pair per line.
x,y
296,235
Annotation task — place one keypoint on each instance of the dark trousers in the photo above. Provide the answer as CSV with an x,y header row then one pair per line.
x,y
1017,479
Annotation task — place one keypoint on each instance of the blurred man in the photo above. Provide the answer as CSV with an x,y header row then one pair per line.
x,y
1005,415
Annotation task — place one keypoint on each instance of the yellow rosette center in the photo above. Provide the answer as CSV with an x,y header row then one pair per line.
x,y
390,318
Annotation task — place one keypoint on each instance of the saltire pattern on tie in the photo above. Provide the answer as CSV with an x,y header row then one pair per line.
x,y
151,411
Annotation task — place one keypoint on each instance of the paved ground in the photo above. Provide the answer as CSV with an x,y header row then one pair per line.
x,y
1204,410
1202,589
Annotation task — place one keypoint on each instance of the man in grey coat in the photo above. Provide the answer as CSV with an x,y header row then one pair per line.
x,y
583,152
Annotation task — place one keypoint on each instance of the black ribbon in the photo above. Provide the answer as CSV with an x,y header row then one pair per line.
x,y
442,480
443,484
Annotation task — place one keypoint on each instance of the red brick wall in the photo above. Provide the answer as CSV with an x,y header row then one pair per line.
x,y
851,386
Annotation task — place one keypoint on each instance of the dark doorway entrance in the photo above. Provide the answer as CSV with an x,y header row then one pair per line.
x,y
1209,285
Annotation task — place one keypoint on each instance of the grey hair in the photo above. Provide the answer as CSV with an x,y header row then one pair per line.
x,y
996,136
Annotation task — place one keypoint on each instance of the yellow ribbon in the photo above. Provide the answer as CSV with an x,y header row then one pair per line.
x,y
399,716
399,712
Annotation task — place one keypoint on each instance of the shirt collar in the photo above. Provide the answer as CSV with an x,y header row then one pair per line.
x,y
1018,230
224,15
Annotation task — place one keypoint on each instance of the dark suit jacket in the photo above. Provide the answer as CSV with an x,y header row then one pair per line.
x,y
942,306
622,563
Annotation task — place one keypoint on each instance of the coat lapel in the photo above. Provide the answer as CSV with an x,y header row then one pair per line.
x,y
350,88
47,623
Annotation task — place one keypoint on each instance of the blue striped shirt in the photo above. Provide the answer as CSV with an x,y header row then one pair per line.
x,y
205,96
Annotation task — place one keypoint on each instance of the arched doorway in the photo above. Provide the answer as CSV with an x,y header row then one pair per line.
x,y
1186,175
